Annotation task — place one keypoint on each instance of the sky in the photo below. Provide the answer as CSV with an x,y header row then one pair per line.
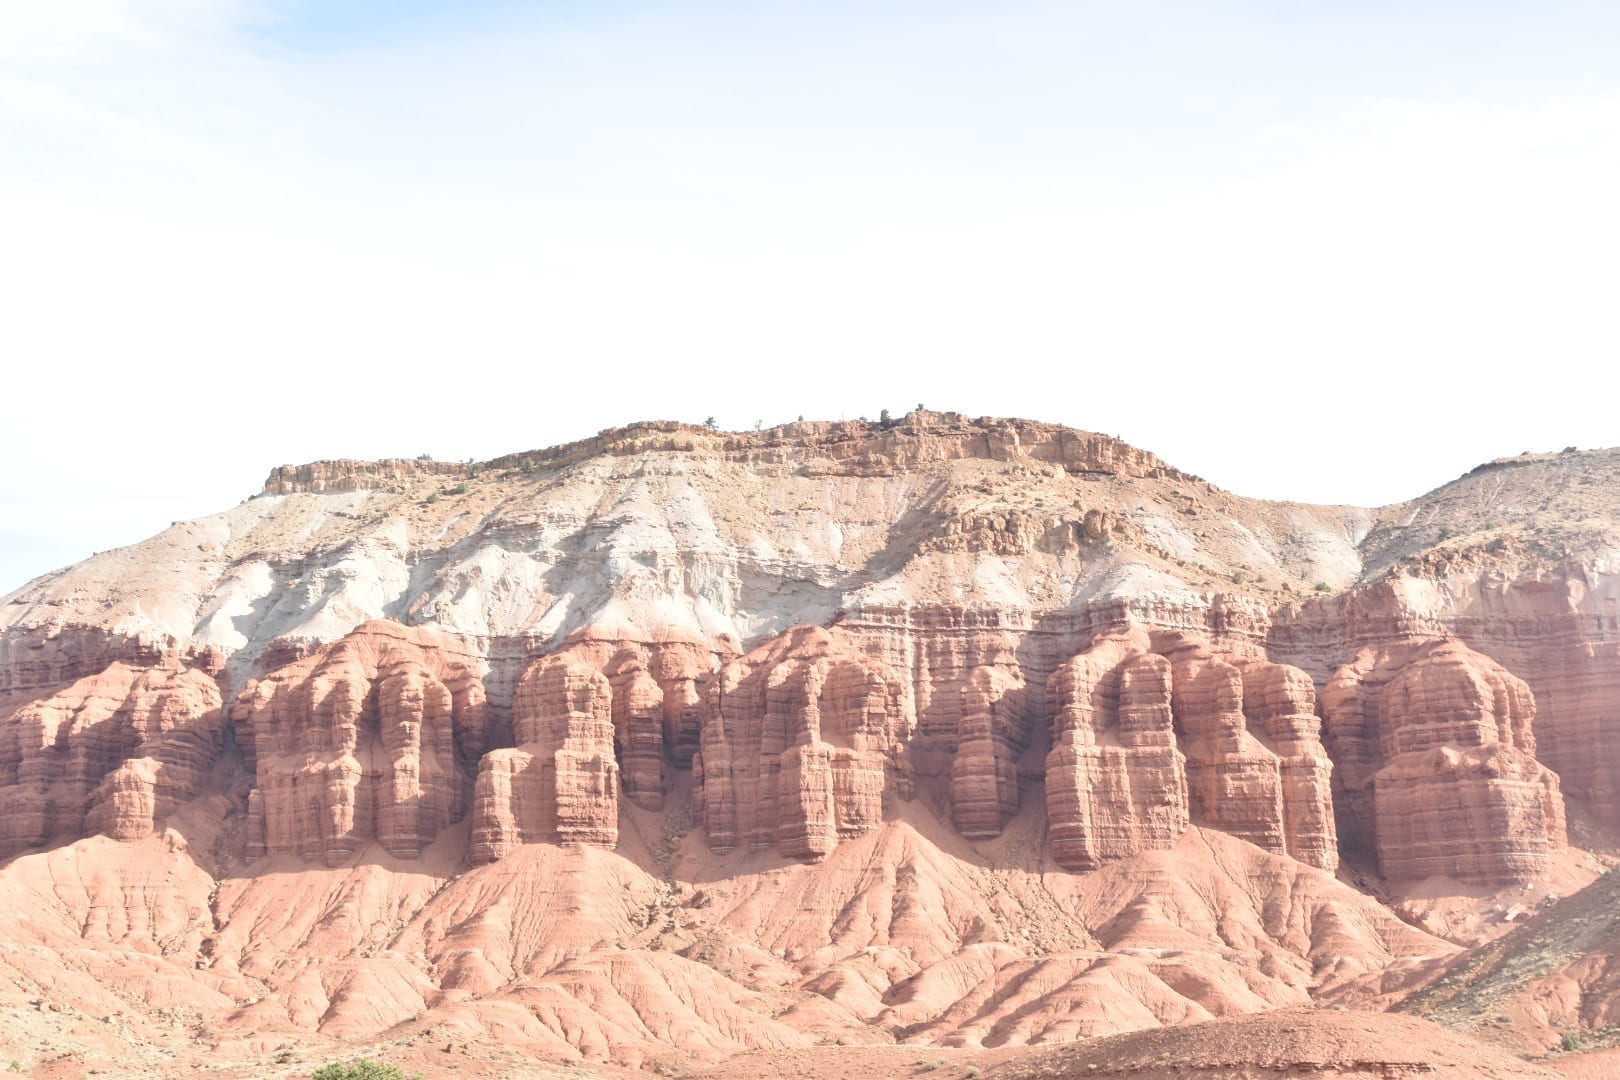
x,y
1322,251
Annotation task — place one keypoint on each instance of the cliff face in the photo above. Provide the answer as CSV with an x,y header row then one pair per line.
x,y
1046,649
1439,771
967,612
1147,742
111,753
369,739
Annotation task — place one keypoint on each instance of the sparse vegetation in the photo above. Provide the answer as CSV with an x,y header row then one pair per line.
x,y
433,497
1445,532
1323,587
459,489
1239,577
364,1069
1571,1042
885,419
712,424
526,466
424,457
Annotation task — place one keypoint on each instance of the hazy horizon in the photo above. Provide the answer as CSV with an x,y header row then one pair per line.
x,y
1308,253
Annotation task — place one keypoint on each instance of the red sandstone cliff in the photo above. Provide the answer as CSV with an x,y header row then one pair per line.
x,y
1015,660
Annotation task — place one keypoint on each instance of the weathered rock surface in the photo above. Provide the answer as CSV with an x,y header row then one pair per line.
x,y
560,784
1116,782
112,753
1325,1045
1149,737
679,741
373,738
801,742
1438,771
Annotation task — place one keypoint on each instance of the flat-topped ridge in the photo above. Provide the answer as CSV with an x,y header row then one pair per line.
x,y
858,447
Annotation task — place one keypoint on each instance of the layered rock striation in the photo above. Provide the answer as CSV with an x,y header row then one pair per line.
x,y
802,740
1150,737
1001,616
375,737
110,753
560,784
1438,772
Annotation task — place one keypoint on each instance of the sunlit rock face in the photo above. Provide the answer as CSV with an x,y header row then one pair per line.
x,y
111,753
1437,765
802,738
1151,737
373,738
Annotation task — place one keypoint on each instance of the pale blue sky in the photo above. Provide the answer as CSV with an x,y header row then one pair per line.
x,y
1332,252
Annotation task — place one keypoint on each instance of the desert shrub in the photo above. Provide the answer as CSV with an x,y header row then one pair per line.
x,y
1323,587
1571,1041
433,497
364,1069
459,489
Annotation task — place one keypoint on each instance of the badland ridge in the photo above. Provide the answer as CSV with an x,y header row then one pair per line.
x,y
674,746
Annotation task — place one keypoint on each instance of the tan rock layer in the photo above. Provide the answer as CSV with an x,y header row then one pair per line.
x,y
818,447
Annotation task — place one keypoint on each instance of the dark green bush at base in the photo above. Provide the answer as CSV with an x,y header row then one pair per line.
x,y
364,1069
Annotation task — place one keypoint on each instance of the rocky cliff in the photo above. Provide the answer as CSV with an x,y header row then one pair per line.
x,y
1046,652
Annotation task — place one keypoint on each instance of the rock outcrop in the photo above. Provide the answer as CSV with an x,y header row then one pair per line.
x,y
767,740
1116,782
1437,769
112,753
374,738
1151,736
801,741
560,784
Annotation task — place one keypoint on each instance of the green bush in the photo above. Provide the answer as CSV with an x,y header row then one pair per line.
x,y
1571,1041
459,489
1323,587
364,1069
